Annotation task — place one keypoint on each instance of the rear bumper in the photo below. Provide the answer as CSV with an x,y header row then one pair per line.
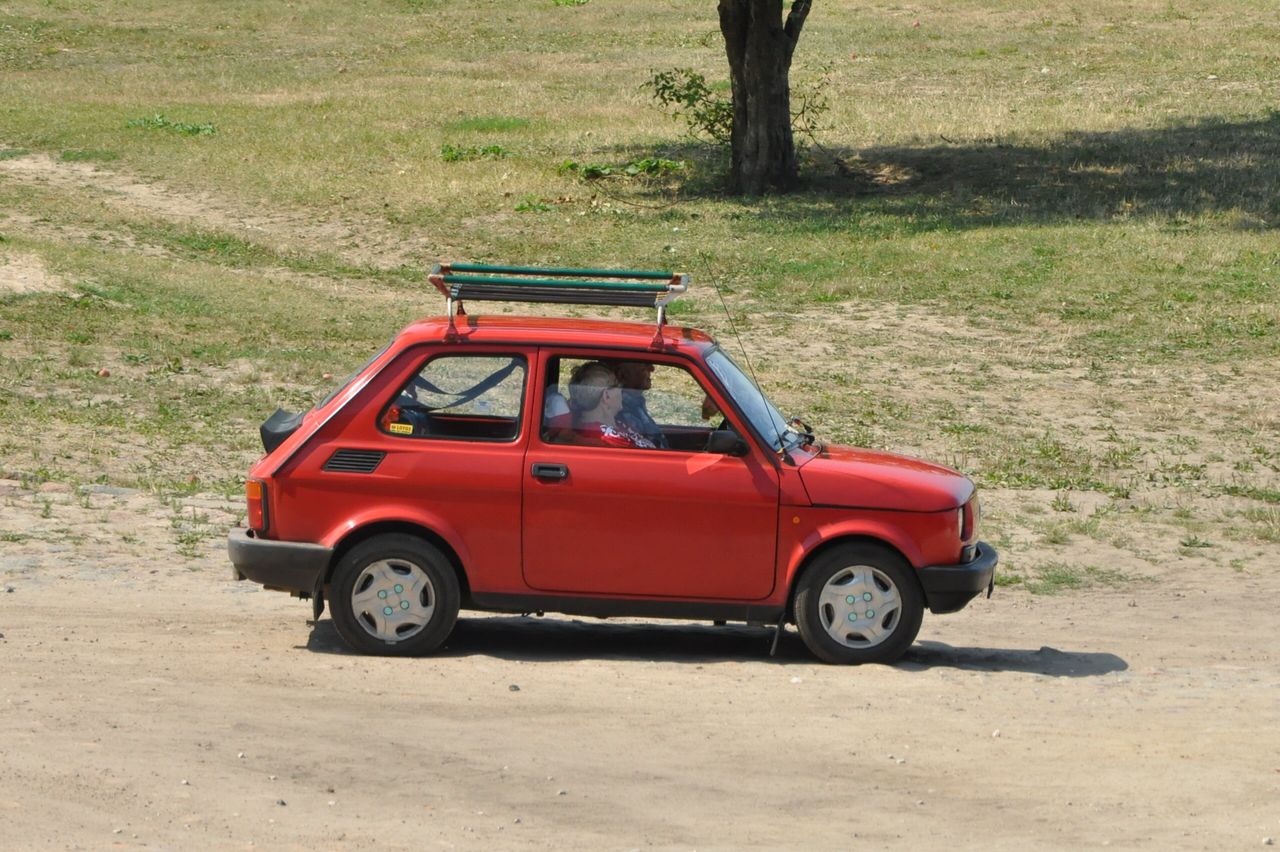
x,y
948,588
288,566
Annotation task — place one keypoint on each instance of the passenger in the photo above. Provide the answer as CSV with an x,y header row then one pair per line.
x,y
595,396
555,406
557,421
636,377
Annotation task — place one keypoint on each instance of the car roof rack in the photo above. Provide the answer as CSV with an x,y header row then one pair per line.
x,y
566,286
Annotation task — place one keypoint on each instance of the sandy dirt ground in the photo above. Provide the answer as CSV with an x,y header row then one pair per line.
x,y
148,701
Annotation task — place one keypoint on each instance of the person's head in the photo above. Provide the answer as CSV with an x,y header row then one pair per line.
x,y
594,392
636,375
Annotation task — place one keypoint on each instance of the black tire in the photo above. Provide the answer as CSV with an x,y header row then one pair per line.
x,y
394,595
836,583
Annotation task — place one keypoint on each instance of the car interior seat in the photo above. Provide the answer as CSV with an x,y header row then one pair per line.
x,y
557,419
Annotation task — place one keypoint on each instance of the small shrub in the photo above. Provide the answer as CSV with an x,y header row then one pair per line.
x,y
159,122
686,95
1267,521
532,204
651,166
1053,578
459,153
1266,495
1057,534
646,167
586,171
13,153
809,104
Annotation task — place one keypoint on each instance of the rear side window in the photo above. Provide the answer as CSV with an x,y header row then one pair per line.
x,y
461,398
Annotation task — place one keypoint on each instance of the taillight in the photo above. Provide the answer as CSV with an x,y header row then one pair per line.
x,y
255,492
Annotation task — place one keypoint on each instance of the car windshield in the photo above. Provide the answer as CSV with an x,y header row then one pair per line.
x,y
752,402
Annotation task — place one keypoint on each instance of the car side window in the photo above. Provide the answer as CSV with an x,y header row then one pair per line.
x,y
676,399
460,397
628,403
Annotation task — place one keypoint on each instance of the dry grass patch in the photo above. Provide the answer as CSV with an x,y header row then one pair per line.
x,y
1037,243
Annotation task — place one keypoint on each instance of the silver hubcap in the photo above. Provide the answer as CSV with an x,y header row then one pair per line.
x,y
393,599
860,606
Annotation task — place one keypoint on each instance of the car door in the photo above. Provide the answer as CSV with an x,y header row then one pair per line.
x,y
655,522
451,427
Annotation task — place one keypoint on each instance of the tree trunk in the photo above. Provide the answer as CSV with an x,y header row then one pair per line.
x,y
759,46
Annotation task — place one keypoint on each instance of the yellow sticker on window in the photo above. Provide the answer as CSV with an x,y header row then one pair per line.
x,y
401,428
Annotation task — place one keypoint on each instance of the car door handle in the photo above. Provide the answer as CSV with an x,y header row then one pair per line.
x,y
542,470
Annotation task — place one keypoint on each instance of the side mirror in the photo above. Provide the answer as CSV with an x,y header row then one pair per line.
x,y
726,442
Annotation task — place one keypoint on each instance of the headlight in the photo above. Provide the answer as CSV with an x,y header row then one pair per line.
x,y
969,516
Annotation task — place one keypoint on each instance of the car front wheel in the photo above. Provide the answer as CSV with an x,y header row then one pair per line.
x,y
394,595
859,603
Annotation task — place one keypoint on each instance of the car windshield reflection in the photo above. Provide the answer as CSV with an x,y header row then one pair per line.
x,y
752,402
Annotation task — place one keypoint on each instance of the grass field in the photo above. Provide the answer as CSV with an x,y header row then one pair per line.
x,y
1039,244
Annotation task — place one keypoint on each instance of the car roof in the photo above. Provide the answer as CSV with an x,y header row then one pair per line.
x,y
561,331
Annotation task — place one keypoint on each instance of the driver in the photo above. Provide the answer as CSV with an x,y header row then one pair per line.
x,y
636,377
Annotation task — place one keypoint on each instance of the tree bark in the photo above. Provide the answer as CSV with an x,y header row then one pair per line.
x,y
759,46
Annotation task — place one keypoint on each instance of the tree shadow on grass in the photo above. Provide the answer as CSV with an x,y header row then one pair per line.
x,y
530,639
1171,173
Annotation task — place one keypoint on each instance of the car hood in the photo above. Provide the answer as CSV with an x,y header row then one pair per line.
x,y
856,478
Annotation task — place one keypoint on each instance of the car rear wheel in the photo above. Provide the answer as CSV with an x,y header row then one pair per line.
x,y
394,595
859,603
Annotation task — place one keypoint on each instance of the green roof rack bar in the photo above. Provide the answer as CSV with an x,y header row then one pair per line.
x,y
560,272
493,280
566,286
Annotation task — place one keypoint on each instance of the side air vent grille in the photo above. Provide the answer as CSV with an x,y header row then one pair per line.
x,y
354,461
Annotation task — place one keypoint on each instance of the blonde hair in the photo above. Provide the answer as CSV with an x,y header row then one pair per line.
x,y
587,385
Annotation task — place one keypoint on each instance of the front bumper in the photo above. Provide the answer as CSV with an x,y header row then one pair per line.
x,y
287,566
948,588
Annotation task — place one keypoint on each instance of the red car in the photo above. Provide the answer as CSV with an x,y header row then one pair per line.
x,y
593,468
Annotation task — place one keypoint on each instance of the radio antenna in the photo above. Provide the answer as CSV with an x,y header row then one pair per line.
x,y
750,368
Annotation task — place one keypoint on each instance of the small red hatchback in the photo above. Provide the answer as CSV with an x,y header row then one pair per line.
x,y
593,468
